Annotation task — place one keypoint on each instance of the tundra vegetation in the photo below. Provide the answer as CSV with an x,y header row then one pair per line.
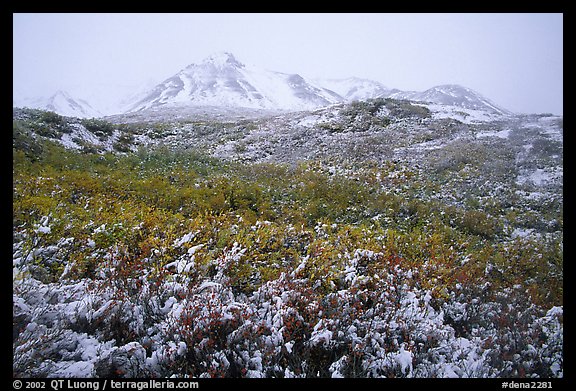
x,y
166,261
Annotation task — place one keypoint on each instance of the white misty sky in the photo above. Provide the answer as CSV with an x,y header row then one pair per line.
x,y
516,60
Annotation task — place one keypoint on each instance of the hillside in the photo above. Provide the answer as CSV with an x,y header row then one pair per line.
x,y
379,238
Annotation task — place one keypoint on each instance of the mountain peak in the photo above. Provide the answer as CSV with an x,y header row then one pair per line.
x,y
60,94
222,59
453,89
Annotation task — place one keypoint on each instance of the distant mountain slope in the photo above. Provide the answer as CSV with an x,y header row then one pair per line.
x,y
62,103
452,95
354,88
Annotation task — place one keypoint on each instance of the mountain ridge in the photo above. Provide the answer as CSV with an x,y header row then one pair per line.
x,y
223,81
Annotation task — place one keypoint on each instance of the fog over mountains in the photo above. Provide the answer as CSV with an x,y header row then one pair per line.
x,y
223,81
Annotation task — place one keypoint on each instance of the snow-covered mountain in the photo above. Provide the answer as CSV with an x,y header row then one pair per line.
x,y
452,95
221,80
221,83
354,88
62,103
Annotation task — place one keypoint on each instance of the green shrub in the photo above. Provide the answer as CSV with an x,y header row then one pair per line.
x,y
99,127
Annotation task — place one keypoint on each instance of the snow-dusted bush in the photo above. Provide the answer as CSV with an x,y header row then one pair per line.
x,y
372,325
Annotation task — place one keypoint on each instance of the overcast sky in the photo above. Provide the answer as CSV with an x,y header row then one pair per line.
x,y
516,60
